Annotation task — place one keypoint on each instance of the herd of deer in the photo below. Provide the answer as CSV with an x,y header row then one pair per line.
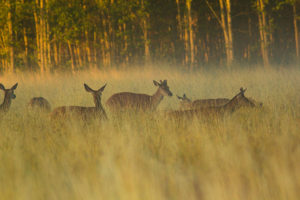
x,y
128,101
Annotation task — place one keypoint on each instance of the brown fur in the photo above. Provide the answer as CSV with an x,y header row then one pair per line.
x,y
85,114
141,102
8,96
187,104
215,111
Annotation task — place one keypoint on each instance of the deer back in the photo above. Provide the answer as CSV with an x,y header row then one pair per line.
x,y
77,112
138,102
129,100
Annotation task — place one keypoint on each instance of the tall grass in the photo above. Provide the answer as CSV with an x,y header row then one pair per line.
x,y
252,154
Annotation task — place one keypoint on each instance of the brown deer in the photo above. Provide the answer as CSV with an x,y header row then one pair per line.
x,y
39,103
139,102
187,104
83,113
234,104
8,96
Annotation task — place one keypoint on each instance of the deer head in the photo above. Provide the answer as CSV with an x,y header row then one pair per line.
x,y
8,96
163,87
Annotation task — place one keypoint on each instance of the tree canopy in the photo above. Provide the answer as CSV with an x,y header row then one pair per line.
x,y
49,35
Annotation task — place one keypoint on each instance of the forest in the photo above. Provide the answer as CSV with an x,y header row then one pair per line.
x,y
50,35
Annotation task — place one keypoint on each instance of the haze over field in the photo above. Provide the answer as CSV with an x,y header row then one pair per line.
x,y
251,154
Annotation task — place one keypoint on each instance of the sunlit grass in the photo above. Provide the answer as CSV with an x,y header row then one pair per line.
x,y
252,154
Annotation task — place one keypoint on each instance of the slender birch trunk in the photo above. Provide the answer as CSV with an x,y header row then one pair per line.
x,y
186,41
42,37
229,31
47,38
263,32
37,32
72,56
78,53
26,47
11,38
95,49
179,21
296,31
125,44
145,31
55,53
87,48
191,40
225,32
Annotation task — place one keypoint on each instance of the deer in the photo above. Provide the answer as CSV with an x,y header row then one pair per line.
x,y
39,103
137,101
187,103
8,96
234,104
85,114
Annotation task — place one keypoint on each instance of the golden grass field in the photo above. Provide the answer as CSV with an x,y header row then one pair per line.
x,y
252,154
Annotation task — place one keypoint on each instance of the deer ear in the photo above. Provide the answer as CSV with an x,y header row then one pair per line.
x,y
2,86
103,87
184,96
156,83
87,88
14,87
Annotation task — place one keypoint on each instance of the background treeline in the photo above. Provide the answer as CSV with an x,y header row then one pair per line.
x,y
46,35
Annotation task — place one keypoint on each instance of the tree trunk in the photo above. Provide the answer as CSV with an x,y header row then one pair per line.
x,y
47,39
42,37
225,32
95,49
146,42
125,44
37,32
25,45
11,38
192,49
78,53
107,55
71,56
263,32
87,48
250,36
229,30
55,52
296,31
26,48
178,16
145,32
186,42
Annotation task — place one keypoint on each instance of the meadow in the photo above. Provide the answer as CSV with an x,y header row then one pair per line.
x,y
251,154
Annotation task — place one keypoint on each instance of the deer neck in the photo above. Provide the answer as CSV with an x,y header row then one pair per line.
x,y
6,103
232,105
156,98
99,107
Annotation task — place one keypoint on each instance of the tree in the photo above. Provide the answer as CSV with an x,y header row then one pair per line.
x,y
225,22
